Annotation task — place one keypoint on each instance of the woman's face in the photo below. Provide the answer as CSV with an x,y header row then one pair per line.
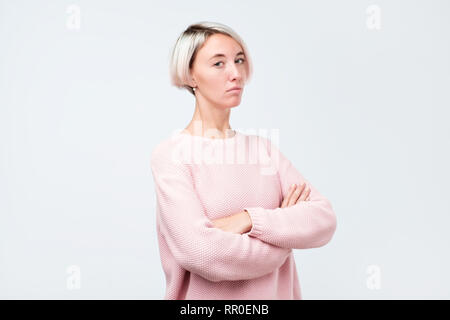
x,y
219,66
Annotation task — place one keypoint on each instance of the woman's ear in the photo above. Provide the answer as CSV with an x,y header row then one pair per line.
x,y
193,83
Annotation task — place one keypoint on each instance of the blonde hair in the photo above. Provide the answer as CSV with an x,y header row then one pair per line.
x,y
187,45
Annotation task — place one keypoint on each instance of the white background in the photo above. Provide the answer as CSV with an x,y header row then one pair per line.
x,y
362,113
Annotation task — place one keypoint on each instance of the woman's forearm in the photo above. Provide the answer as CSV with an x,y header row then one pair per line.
x,y
241,222
236,223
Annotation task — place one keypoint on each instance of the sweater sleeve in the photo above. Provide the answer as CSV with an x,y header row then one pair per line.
x,y
307,224
195,243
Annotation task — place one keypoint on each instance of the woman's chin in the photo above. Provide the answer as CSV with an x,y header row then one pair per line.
x,y
235,103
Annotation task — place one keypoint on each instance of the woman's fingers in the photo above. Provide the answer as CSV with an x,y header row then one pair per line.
x,y
288,196
295,195
305,194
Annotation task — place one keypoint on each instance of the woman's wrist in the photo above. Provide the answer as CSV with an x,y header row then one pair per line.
x,y
247,221
236,223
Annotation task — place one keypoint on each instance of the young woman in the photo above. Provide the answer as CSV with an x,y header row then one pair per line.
x,y
226,228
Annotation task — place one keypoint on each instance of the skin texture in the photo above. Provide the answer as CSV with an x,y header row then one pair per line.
x,y
211,78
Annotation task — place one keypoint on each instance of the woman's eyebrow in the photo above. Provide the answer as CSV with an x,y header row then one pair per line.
x,y
222,55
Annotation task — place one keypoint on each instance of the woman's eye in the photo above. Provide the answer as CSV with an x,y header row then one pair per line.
x,y
216,64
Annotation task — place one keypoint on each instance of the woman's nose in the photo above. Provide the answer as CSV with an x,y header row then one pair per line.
x,y
235,72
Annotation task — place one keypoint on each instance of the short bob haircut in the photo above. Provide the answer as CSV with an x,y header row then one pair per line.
x,y
187,46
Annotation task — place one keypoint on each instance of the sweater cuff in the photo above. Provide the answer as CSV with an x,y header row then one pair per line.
x,y
255,216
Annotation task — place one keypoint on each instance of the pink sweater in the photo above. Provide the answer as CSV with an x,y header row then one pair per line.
x,y
221,177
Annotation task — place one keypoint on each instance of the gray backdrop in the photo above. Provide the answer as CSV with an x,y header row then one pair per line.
x,y
359,91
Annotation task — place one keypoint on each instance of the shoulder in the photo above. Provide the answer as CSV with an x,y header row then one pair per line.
x,y
160,150
163,152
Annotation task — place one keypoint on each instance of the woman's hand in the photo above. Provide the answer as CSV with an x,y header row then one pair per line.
x,y
237,223
296,193
242,223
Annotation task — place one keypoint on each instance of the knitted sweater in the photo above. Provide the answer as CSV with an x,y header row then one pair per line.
x,y
199,179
